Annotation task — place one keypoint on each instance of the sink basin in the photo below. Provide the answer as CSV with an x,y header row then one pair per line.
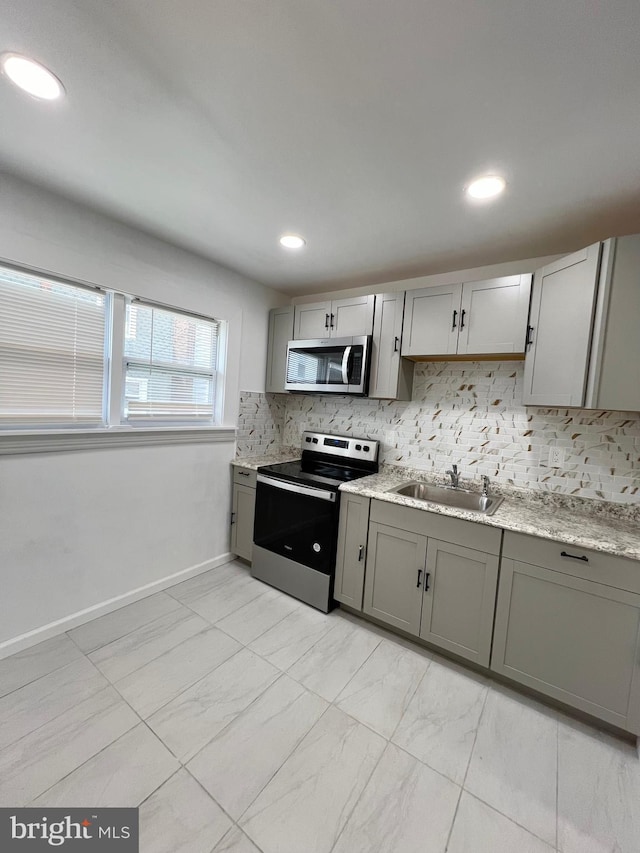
x,y
448,496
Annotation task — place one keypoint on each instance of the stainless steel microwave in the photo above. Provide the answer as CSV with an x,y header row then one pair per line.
x,y
329,365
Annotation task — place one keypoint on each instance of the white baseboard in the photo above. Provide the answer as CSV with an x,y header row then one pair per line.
x,y
38,635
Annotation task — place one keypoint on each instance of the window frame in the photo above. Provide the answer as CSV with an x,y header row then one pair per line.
x,y
115,428
217,376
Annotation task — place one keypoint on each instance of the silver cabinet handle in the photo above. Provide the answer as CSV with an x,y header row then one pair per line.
x,y
360,553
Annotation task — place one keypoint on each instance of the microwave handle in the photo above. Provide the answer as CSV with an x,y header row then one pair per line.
x,y
345,365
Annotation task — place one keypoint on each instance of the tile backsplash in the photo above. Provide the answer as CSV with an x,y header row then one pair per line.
x,y
469,413
260,423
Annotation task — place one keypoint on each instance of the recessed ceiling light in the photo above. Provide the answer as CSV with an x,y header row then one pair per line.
x,y
31,76
292,241
488,186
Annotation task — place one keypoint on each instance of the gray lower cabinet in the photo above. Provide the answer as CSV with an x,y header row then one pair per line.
x,y
436,589
459,600
351,552
564,634
393,585
242,513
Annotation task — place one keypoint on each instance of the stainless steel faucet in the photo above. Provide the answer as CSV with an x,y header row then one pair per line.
x,y
485,486
455,477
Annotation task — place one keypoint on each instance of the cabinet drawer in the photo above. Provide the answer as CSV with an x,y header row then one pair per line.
x,y
612,571
455,530
244,476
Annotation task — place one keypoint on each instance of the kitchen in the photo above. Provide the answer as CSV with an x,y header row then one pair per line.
x,y
123,606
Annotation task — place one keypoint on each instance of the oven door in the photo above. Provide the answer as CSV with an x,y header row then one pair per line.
x,y
297,521
338,365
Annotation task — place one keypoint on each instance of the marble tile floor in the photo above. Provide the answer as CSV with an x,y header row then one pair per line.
x,y
240,720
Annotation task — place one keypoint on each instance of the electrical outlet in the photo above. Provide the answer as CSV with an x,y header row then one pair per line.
x,y
556,457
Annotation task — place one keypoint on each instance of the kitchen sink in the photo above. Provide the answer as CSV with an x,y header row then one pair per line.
x,y
448,496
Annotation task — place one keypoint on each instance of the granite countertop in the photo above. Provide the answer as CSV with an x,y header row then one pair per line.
x,y
610,528
607,527
287,454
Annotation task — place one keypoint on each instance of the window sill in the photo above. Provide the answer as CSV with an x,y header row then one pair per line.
x,y
51,441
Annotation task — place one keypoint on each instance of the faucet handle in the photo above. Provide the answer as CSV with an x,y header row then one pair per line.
x,y
454,468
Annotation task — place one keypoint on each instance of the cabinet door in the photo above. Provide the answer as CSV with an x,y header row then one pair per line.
x,y
459,600
555,370
244,505
312,321
431,321
391,376
351,317
351,553
572,639
493,318
280,333
393,581
614,366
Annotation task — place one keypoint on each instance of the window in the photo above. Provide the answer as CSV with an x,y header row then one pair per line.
x,y
52,352
170,365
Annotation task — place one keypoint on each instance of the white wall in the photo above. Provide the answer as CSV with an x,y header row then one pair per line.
x,y
80,528
528,265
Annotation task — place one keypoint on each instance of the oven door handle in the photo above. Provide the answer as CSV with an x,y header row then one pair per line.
x,y
346,355
311,491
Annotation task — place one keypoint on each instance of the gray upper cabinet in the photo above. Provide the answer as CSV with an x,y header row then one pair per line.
x,y
614,368
351,551
459,600
584,342
562,308
340,318
493,316
391,375
431,321
312,321
564,633
474,318
280,333
395,565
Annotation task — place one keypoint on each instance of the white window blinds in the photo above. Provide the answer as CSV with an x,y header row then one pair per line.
x,y
170,365
52,352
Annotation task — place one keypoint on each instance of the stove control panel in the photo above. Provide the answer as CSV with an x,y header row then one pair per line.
x,y
344,446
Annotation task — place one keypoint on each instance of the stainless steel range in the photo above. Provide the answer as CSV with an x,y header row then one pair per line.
x,y
296,519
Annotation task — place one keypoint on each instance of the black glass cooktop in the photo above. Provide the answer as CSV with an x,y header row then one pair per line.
x,y
320,473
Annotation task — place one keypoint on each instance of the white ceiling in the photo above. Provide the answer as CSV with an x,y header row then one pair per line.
x,y
220,125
